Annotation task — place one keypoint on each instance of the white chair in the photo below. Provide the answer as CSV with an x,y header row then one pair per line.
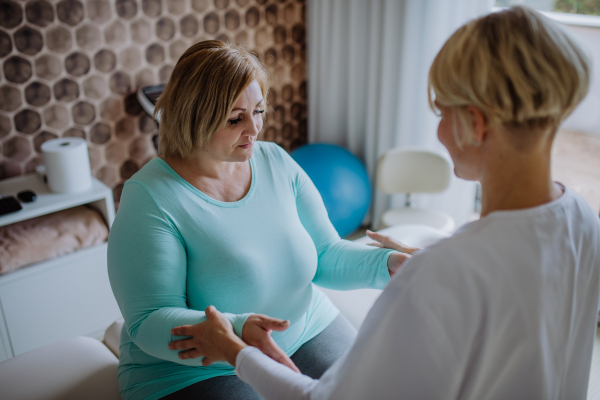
x,y
409,171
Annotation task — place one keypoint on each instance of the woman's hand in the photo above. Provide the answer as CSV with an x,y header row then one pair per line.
x,y
257,333
388,242
212,339
396,260
215,340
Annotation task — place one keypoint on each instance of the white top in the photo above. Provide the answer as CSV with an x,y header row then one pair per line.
x,y
506,308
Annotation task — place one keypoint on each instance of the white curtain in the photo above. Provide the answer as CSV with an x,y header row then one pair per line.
x,y
368,62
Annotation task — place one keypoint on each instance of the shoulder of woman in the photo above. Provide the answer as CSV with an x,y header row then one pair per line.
x,y
148,172
156,179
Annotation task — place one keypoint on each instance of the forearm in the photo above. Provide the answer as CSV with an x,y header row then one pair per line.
x,y
153,333
343,265
346,265
271,379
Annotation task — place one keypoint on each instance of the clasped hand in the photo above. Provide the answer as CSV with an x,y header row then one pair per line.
x,y
215,340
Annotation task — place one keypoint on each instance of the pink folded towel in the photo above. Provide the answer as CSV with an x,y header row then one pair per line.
x,y
49,236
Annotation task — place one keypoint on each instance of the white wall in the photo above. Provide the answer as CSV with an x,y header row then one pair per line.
x,y
586,117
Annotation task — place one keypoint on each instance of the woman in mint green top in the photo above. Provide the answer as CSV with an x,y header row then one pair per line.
x,y
256,244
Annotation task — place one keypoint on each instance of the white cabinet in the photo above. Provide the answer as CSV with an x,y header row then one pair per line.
x,y
62,297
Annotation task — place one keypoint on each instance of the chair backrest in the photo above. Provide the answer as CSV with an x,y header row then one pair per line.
x,y
410,170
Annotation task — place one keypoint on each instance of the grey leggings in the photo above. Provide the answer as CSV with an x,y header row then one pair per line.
x,y
313,358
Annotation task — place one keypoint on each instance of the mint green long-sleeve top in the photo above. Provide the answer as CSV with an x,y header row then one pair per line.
x,y
173,251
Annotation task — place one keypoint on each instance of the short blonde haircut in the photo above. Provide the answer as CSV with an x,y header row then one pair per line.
x,y
516,66
203,89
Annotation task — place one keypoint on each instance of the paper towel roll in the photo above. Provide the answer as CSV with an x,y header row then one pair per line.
x,y
67,165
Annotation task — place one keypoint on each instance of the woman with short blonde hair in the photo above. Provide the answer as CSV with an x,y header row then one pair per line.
x,y
523,73
221,218
507,307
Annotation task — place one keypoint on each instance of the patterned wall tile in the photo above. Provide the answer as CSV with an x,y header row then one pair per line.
x,y
37,94
5,126
28,41
17,69
70,68
27,121
70,12
40,13
10,98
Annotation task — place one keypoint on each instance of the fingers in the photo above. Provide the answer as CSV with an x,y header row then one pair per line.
x,y
275,352
375,244
181,344
388,242
207,361
383,239
373,235
184,330
275,324
187,354
210,311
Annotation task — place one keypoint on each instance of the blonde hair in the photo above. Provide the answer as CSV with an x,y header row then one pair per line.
x,y
203,89
516,66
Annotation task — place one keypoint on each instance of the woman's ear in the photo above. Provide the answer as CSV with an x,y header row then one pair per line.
x,y
479,124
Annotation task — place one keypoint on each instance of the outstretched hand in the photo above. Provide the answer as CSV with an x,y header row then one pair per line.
x,y
215,340
395,260
212,339
388,242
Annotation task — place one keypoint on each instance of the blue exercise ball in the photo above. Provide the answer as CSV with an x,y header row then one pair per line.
x,y
342,181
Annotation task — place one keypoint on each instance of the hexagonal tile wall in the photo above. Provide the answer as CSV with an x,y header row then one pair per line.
x,y
40,13
77,64
5,126
17,69
48,67
16,148
37,94
28,40
42,137
99,11
27,121
66,90
70,11
11,15
59,39
70,68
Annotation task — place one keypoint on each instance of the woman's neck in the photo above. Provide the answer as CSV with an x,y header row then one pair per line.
x,y
223,181
204,167
517,180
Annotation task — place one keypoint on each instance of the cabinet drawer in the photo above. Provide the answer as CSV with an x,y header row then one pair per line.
x,y
71,296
